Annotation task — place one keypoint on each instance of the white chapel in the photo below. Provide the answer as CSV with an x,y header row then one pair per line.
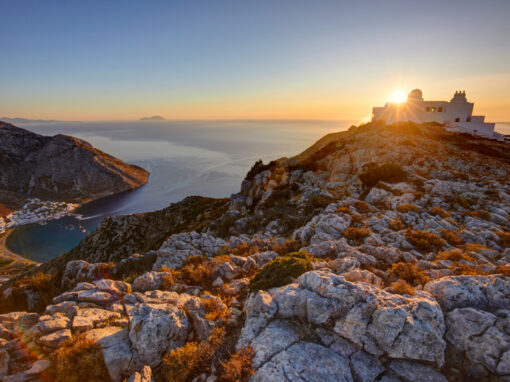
x,y
456,115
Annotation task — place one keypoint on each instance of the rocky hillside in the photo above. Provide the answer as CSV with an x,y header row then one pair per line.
x,y
59,168
378,254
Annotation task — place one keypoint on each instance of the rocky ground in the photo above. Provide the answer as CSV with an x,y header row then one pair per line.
x,y
379,254
58,168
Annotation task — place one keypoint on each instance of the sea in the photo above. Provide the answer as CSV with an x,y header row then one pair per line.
x,y
207,158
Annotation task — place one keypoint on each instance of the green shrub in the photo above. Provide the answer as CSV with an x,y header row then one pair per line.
x,y
281,271
386,172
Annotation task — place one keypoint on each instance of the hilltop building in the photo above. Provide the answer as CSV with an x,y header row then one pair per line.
x,y
456,115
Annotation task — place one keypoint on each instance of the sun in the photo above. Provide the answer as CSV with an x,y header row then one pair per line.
x,y
398,97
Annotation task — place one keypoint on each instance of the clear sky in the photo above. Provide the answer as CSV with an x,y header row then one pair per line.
x,y
102,60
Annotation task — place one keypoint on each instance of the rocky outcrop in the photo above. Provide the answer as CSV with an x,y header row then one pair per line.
x,y
61,167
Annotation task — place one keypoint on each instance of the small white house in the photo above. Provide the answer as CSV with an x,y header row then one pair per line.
x,y
456,115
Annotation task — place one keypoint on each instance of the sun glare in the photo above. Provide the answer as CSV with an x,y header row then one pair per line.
x,y
398,97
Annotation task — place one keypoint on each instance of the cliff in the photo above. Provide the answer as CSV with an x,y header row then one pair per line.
x,y
59,168
378,254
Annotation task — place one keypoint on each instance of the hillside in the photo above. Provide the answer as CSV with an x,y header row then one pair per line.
x,y
60,168
378,254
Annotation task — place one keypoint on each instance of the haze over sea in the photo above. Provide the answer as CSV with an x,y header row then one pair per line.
x,y
208,158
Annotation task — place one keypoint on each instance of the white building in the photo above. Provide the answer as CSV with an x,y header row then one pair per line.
x,y
456,115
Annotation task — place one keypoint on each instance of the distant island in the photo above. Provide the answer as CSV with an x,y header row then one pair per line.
x,y
153,118
26,120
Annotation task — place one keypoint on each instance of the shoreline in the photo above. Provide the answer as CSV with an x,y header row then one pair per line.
x,y
5,253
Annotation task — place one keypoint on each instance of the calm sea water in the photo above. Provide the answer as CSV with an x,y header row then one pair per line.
x,y
208,158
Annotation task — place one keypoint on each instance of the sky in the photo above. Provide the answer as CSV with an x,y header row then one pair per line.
x,y
274,59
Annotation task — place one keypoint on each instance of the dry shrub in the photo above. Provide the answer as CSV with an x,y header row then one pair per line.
x,y
238,366
466,270
358,220
409,272
194,358
198,270
424,240
287,247
475,247
439,211
396,225
402,287
480,214
214,309
504,238
454,255
503,269
343,209
363,207
78,360
406,207
356,234
451,237
103,270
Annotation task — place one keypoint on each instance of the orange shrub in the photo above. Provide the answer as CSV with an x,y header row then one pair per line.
x,y
451,237
439,211
78,360
504,238
480,214
454,255
396,225
185,363
402,287
475,247
363,207
409,272
238,367
406,207
356,234
343,209
424,240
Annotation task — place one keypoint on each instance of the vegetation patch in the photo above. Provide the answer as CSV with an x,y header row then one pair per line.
x,y
480,214
440,212
454,255
356,234
402,287
78,360
238,366
185,363
406,207
409,272
504,238
424,241
451,237
281,271
386,172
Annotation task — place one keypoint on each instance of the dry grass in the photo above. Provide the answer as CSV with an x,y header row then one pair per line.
x,y
504,238
343,209
402,287
480,214
238,366
409,272
440,212
362,207
454,255
396,225
475,247
214,310
78,360
407,207
451,237
356,234
424,241
194,358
